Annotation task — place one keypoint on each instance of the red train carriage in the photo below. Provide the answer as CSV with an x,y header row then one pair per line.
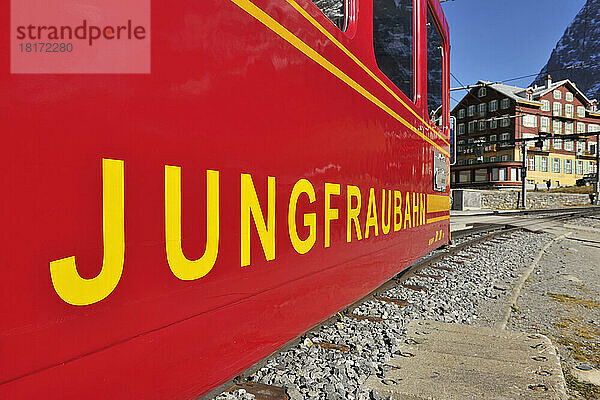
x,y
164,230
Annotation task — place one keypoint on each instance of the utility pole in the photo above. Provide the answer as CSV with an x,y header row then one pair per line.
x,y
524,176
597,185
518,120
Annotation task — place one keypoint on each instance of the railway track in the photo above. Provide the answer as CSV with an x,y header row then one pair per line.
x,y
418,279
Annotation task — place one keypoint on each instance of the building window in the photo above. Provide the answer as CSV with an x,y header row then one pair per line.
x,y
505,103
593,128
464,176
545,105
504,122
592,147
482,92
556,126
393,42
504,137
481,175
568,166
494,174
569,110
569,96
481,108
493,138
556,109
579,168
580,127
494,105
493,124
481,125
581,111
471,127
471,111
461,129
556,165
531,164
471,161
544,124
544,164
506,157
501,174
568,127
530,121
580,147
557,143
461,113
568,145
557,94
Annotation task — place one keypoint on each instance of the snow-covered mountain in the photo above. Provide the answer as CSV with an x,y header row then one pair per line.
x,y
579,44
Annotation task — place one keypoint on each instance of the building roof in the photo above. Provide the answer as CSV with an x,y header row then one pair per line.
x,y
514,92
542,90
519,94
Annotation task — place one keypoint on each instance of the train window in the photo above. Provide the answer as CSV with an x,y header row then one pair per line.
x,y
393,27
335,10
435,67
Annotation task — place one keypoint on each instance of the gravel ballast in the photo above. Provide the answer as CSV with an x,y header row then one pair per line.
x,y
474,292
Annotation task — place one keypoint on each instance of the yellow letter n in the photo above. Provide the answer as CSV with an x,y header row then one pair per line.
x,y
266,230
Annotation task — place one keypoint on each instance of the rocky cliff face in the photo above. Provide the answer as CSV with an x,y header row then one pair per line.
x,y
580,43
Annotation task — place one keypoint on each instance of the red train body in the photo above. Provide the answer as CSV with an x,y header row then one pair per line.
x,y
251,145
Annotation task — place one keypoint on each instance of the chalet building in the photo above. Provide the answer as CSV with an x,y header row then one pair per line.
x,y
491,115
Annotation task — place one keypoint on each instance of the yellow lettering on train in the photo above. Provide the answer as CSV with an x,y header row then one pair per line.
x,y
415,210
67,282
266,230
407,219
423,210
331,189
310,220
371,221
385,226
352,213
397,210
180,265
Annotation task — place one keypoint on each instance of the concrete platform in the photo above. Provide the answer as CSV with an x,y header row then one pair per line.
x,y
449,361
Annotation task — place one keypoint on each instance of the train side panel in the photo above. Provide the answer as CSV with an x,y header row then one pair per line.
x,y
245,98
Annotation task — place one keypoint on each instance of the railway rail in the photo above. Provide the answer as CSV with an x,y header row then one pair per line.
x,y
461,241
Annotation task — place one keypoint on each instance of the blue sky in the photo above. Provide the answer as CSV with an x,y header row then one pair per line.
x,y
501,39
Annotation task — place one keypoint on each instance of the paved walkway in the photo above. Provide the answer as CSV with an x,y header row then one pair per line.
x,y
460,362
555,310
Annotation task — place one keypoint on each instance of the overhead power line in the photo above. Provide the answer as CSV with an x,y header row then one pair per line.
x,y
462,84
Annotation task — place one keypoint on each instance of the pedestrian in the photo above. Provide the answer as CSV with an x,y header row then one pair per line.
x,y
548,184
